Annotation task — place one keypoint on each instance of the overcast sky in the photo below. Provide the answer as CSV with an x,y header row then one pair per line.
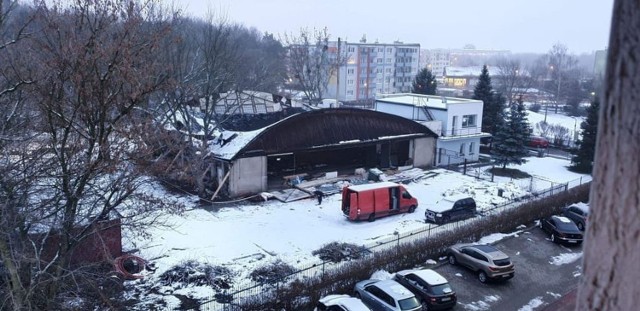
x,y
516,25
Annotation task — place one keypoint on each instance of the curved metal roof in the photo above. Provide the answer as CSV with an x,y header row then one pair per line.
x,y
329,128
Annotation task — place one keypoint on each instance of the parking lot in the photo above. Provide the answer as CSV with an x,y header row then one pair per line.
x,y
544,272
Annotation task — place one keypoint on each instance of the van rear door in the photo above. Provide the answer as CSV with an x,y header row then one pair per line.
x,y
353,206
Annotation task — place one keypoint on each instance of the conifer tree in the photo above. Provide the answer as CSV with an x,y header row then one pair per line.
x,y
425,83
512,134
584,154
484,91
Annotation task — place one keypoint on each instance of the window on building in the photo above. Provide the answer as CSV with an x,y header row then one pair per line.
x,y
380,49
388,60
363,81
350,92
469,120
351,71
462,148
350,82
388,70
379,60
352,49
471,148
363,60
389,50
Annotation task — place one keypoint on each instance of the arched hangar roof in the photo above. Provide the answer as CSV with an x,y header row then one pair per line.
x,y
330,128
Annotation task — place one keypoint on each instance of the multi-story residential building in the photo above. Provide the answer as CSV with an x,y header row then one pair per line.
x,y
457,121
374,68
435,60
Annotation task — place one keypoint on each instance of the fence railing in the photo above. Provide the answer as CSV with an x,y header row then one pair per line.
x,y
233,298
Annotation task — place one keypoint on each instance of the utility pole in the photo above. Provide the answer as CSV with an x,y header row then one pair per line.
x,y
338,75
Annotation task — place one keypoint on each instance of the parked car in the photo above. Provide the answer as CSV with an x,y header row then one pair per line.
x,y
451,209
561,229
538,142
429,286
371,201
579,213
486,260
386,295
340,303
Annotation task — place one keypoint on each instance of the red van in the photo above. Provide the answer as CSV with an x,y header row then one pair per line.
x,y
371,201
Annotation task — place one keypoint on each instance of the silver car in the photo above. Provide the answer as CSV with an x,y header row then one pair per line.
x,y
486,260
386,295
579,213
340,303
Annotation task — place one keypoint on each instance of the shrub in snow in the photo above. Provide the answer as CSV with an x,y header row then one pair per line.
x,y
272,273
337,252
197,274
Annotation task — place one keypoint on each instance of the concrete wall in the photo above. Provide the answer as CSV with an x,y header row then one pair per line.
x,y
248,176
423,151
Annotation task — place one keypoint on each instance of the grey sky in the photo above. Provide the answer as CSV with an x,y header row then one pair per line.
x,y
516,25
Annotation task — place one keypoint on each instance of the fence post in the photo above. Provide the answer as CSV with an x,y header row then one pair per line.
x,y
323,262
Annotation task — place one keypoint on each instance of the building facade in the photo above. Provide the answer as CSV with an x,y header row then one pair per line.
x,y
458,122
374,68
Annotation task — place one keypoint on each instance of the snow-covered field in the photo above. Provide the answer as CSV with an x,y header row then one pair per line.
x,y
250,235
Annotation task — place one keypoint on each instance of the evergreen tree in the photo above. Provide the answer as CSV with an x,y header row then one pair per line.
x,y
511,137
584,154
484,91
425,83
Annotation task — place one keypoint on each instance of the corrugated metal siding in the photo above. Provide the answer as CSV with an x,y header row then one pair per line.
x,y
329,127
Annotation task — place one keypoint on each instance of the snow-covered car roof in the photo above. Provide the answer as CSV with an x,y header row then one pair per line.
x,y
428,275
563,219
446,203
350,303
378,185
582,206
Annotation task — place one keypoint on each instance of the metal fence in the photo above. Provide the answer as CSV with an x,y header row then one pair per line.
x,y
234,297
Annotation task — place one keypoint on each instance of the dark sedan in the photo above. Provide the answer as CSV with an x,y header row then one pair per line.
x,y
429,286
561,229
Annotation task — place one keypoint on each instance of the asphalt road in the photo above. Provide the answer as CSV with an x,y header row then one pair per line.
x,y
537,283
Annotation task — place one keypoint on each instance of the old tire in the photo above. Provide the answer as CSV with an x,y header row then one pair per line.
x,y
372,217
412,208
452,260
482,277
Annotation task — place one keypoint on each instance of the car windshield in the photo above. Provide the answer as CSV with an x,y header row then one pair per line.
x,y
441,289
409,303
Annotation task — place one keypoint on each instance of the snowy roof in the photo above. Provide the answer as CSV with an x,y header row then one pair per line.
x,y
428,275
429,101
371,186
467,71
563,219
230,149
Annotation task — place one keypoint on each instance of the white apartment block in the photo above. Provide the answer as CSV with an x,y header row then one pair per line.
x,y
374,68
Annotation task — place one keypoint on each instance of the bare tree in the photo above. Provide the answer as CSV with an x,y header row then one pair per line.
x,y
311,61
93,63
561,65
611,252
513,79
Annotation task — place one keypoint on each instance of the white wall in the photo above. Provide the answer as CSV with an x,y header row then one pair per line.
x,y
248,175
454,146
423,151
459,110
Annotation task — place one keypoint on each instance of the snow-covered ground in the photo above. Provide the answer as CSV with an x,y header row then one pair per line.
x,y
246,236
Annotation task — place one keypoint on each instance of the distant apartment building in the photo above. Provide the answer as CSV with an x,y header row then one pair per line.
x,y
374,68
435,60
438,60
600,63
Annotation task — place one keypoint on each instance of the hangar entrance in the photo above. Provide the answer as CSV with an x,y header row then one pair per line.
x,y
345,160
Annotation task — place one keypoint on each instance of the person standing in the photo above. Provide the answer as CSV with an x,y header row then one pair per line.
x,y
319,194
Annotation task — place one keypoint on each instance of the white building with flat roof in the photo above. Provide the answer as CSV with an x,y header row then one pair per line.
x,y
457,121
